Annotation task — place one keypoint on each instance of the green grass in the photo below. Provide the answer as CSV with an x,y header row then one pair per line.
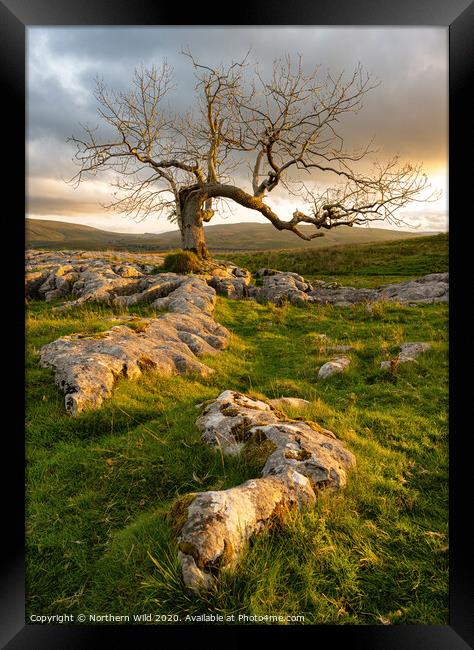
x,y
357,264
99,486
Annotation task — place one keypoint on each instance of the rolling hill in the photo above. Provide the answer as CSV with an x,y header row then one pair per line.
x,y
244,236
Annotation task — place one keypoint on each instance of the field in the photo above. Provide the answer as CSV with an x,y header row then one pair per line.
x,y
100,486
360,265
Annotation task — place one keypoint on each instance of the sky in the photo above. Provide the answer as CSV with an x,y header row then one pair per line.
x,y
407,114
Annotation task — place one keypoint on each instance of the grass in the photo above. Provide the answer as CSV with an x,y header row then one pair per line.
x,y
100,486
358,264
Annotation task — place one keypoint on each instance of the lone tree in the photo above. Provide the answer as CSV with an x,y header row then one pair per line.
x,y
284,129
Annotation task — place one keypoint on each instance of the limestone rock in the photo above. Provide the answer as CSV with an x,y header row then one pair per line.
x,y
428,289
229,287
107,276
192,296
127,271
408,352
87,367
260,273
279,287
150,288
303,458
339,364
33,281
219,524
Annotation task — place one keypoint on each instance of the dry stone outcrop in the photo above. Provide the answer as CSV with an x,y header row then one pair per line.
x,y
230,281
99,277
87,367
125,278
81,276
302,458
279,286
332,293
428,289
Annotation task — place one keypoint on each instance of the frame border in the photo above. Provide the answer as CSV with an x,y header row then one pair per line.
x,y
458,15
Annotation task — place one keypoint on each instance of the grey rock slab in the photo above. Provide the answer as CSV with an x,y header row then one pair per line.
x,y
428,289
283,286
340,296
87,367
230,287
303,458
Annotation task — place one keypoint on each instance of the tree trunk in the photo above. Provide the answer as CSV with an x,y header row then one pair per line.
x,y
192,231
193,237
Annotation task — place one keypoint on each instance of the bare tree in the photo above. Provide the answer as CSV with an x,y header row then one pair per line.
x,y
286,128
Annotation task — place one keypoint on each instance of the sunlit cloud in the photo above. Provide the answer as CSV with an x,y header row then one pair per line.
x,y
407,114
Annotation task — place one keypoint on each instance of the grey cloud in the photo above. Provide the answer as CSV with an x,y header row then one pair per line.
x,y
56,206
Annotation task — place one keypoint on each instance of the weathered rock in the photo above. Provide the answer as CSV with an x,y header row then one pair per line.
x,y
96,276
279,287
230,281
219,524
86,367
337,365
150,288
229,287
408,352
33,281
260,273
302,458
85,275
428,289
289,402
127,271
192,296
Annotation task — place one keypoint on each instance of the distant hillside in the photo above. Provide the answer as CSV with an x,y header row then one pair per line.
x,y
245,236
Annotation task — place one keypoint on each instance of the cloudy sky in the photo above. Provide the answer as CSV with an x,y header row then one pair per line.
x,y
407,113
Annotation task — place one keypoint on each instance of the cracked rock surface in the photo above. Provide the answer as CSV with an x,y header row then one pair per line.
x,y
87,367
119,278
124,280
279,286
284,286
303,458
